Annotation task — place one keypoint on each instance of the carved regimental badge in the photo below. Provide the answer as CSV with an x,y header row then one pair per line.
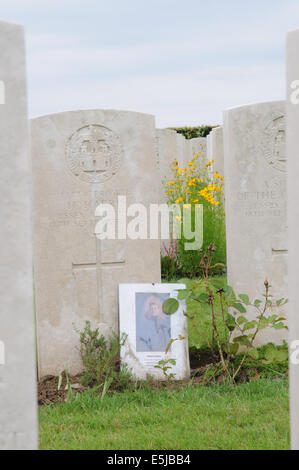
x,y
274,143
93,153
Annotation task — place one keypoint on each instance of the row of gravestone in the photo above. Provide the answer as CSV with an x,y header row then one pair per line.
x,y
76,276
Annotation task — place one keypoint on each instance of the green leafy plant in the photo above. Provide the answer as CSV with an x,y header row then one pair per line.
x,y
165,365
101,360
240,332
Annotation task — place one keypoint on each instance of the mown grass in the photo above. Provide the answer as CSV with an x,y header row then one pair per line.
x,y
249,416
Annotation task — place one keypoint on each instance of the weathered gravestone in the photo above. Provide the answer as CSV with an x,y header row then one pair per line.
x,y
182,150
217,150
18,402
167,151
82,159
209,147
293,225
199,147
256,220
210,158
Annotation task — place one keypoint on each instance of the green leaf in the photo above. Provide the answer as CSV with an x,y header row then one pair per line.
x,y
239,307
249,325
257,303
233,348
59,382
183,294
231,322
170,306
217,283
204,298
281,355
172,361
263,324
280,301
245,299
279,326
241,320
254,354
272,318
242,340
270,352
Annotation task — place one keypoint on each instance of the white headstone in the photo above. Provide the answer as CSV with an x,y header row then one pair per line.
x,y
18,401
217,150
255,182
209,147
210,158
167,153
188,153
181,148
293,225
199,147
80,160
149,331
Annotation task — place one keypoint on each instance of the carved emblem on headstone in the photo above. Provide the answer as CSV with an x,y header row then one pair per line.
x,y
274,143
93,153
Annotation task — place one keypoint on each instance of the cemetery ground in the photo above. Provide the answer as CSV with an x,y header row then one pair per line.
x,y
204,413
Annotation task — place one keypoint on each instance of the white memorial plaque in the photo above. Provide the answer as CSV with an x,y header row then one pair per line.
x,y
149,331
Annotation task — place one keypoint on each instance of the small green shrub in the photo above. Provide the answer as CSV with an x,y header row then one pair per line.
x,y
170,268
101,360
193,132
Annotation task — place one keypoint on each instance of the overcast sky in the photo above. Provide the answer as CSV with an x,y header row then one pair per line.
x,y
182,60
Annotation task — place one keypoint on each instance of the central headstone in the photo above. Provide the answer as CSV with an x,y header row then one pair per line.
x,y
18,401
82,159
255,190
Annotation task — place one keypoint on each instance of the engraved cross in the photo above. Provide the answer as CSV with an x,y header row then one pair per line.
x,y
100,266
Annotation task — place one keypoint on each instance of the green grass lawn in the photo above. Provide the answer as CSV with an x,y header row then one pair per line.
x,y
249,416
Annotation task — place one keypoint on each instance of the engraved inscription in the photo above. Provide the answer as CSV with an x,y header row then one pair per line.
x,y
78,211
2,92
269,202
94,153
274,143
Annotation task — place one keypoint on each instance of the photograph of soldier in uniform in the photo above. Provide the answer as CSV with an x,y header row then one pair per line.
x,y
153,330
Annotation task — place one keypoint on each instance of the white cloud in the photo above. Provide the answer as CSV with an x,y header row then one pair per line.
x,y
183,69
180,100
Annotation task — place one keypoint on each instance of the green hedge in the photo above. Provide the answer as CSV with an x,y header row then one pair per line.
x,y
193,132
